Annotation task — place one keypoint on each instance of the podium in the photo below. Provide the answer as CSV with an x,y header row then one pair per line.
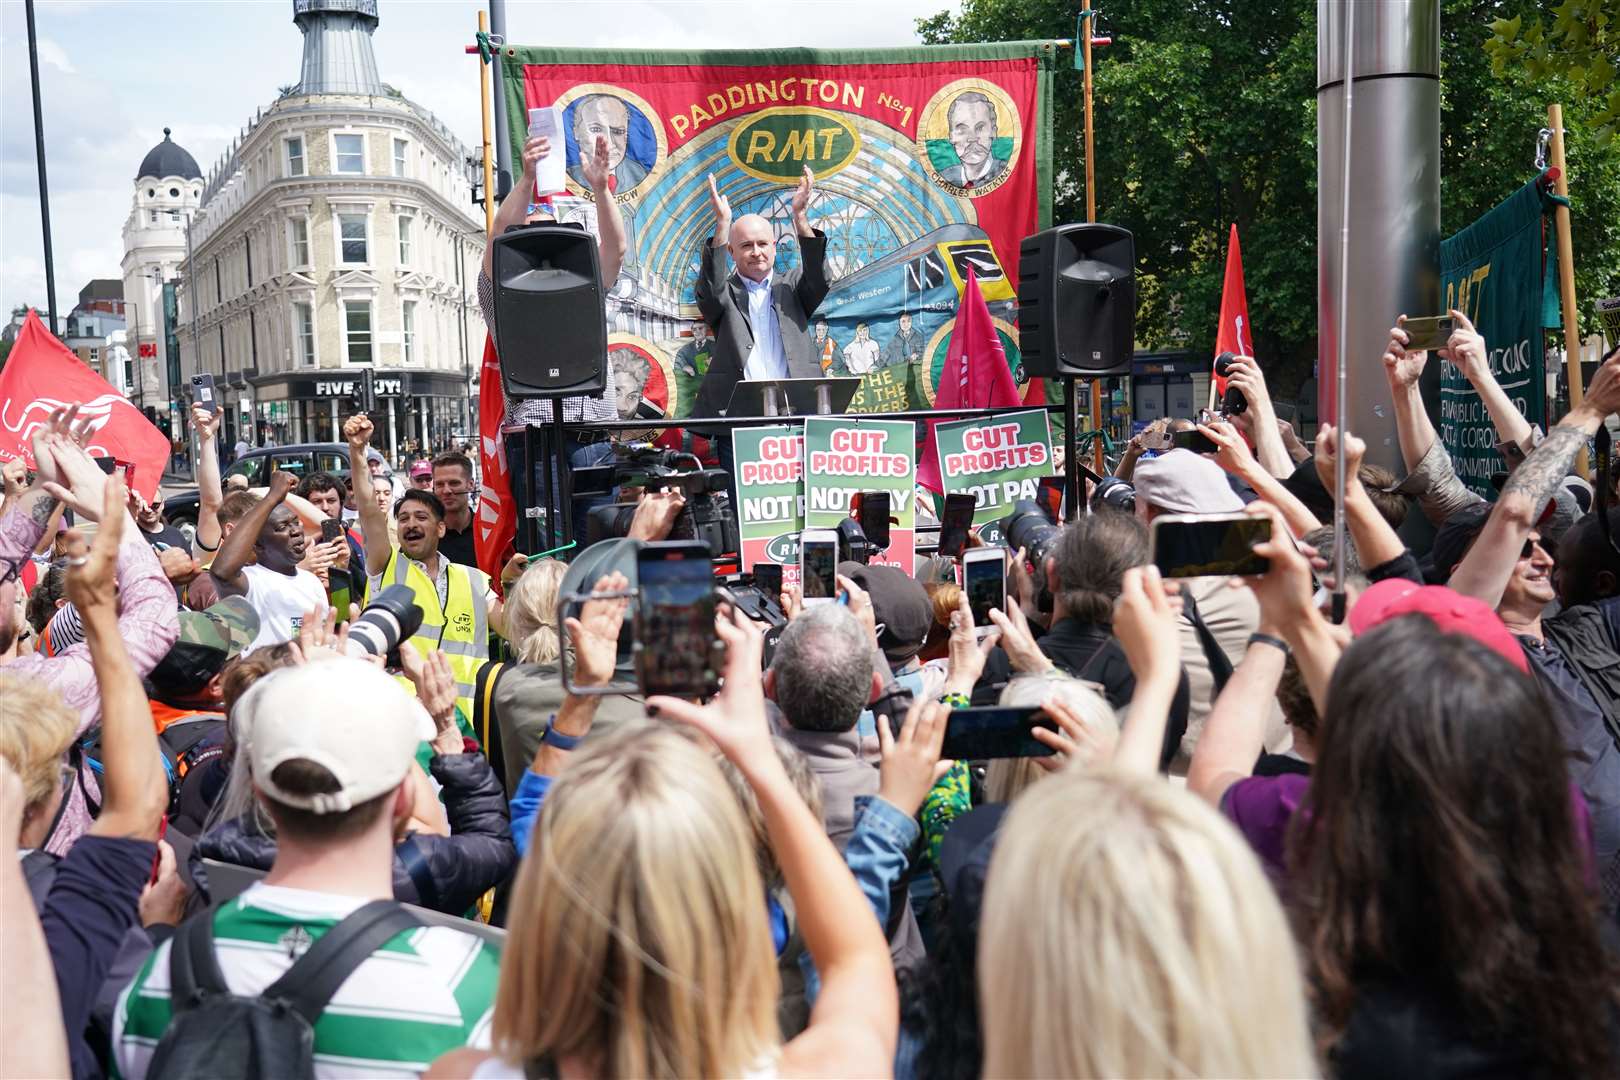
x,y
792,397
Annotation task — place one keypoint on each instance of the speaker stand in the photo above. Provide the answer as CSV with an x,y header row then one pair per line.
x,y
1071,447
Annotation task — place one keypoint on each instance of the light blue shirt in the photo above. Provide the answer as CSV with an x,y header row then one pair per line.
x,y
766,360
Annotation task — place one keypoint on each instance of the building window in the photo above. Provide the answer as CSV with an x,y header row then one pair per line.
x,y
298,230
247,258
351,153
357,331
95,355
404,240
399,156
407,325
304,330
352,229
153,214
295,156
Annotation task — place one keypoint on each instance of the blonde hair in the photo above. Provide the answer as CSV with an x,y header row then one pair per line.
x,y
36,728
1006,778
531,611
639,941
1158,949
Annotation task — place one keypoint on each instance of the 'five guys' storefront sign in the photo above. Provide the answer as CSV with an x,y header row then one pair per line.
x,y
844,457
998,460
770,497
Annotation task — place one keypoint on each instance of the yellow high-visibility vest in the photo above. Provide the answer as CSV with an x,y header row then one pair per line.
x,y
460,629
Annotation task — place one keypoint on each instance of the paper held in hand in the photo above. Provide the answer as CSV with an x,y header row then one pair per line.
x,y
551,171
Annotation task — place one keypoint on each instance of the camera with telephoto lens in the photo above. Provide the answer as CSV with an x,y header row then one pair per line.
x,y
392,616
1114,494
707,516
1028,528
1233,401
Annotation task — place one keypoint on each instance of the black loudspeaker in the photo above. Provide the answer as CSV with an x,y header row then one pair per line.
x,y
550,327
1077,301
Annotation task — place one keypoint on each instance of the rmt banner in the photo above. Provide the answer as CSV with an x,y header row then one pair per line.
x,y
928,161
1494,271
770,496
844,457
998,460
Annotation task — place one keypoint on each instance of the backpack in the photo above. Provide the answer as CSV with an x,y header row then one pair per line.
x,y
215,1033
184,745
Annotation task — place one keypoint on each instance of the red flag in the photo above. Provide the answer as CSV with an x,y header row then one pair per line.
x,y
42,374
496,535
1235,334
975,375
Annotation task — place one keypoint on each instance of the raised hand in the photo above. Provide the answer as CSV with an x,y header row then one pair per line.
x,y
92,575
967,651
595,166
595,634
860,605
1402,367
1016,640
802,193
435,685
911,764
1233,454
282,483
1284,590
357,431
655,514
15,475
1247,377
1327,449
206,423
722,210
1077,742
1466,348
1604,393
534,148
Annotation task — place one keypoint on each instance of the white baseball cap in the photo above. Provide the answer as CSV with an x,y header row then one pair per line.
x,y
344,715
1182,482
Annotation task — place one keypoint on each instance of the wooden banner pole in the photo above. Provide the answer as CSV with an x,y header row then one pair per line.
x,y
1566,269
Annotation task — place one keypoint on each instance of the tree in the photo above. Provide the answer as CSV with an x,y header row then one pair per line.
x,y
1580,46
1206,115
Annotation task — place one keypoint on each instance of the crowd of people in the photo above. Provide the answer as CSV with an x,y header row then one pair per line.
x,y
257,835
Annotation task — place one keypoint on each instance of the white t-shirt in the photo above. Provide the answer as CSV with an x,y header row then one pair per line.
x,y
280,602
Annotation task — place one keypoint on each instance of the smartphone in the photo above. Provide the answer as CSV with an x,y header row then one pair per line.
x,y
331,530
1049,494
768,579
984,579
873,514
1429,332
818,565
106,464
1193,440
1202,545
954,525
978,734
202,391
675,651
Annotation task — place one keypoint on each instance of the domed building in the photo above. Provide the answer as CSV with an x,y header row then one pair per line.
x,y
336,237
168,187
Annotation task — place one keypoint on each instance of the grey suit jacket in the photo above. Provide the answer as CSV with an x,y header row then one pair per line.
x,y
723,301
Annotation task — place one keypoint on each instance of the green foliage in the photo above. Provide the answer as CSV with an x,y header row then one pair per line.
x,y
1205,115
1580,45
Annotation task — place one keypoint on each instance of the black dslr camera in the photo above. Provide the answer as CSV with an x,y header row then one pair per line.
x,y
708,516
1233,401
1029,528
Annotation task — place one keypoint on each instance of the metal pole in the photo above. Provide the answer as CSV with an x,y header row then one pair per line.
x,y
1091,213
466,362
1566,272
39,158
503,142
1341,372
489,161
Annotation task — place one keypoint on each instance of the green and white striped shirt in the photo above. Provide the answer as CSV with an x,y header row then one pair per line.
x,y
425,992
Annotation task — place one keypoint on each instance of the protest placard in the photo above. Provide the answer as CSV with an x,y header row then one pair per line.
x,y
999,460
770,496
843,457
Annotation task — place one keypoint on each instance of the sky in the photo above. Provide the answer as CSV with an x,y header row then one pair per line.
x,y
115,73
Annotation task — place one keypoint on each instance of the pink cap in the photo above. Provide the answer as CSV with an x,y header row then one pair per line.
x,y
1451,611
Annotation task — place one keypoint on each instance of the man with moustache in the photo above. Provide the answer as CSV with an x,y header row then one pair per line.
x,y
459,608
971,120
